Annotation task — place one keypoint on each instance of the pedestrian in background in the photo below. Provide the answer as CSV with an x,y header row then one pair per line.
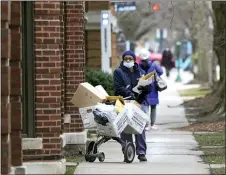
x,y
167,61
152,99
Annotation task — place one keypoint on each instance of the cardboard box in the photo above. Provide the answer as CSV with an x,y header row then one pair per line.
x,y
88,117
115,128
137,119
134,102
131,120
101,90
87,95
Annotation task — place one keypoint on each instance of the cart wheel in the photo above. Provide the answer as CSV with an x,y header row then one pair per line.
x,y
101,156
129,152
89,157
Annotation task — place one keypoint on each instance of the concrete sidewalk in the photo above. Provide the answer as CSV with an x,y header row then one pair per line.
x,y
169,152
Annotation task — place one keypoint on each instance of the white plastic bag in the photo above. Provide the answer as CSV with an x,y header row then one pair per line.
x,y
108,109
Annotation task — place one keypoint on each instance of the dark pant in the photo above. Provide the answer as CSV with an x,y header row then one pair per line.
x,y
167,72
153,114
140,140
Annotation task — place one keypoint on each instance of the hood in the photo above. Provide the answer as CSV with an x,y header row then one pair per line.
x,y
149,64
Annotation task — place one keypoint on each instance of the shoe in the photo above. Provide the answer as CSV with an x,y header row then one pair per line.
x,y
147,127
154,127
142,158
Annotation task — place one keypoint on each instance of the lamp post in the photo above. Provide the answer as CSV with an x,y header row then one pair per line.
x,y
178,49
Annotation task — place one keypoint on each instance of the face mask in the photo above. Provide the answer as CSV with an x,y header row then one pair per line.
x,y
128,65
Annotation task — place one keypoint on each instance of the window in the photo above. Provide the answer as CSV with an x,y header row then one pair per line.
x,y
28,111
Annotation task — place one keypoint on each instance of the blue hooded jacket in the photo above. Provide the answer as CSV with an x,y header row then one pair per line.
x,y
125,81
152,98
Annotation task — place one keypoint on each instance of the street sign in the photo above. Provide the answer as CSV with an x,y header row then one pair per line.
x,y
105,40
125,6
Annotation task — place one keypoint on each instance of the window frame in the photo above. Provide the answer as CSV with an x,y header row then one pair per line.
x,y
28,66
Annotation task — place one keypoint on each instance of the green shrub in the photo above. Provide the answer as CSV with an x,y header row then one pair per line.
x,y
98,77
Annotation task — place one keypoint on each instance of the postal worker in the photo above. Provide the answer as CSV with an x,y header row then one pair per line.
x,y
126,77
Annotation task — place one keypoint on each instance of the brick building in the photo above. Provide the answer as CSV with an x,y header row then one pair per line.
x,y
42,63
93,34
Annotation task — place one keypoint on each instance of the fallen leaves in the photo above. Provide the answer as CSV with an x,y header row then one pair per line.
x,y
205,127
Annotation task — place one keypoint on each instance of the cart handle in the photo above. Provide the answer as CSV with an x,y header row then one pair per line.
x,y
127,98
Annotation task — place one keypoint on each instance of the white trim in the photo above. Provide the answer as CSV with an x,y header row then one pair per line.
x,y
31,143
67,118
46,167
18,170
74,138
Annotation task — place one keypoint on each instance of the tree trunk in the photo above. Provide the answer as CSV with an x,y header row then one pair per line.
x,y
217,107
219,45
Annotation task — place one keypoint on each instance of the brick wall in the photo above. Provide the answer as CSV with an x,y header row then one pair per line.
x,y
74,60
11,118
59,68
48,46
16,85
5,73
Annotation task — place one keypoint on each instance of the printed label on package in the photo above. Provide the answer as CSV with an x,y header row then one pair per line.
x,y
122,121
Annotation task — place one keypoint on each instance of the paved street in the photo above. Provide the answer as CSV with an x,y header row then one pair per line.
x,y
169,152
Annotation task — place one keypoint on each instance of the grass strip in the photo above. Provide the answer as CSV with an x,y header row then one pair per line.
x,y
70,170
216,139
194,92
212,155
216,171
75,159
